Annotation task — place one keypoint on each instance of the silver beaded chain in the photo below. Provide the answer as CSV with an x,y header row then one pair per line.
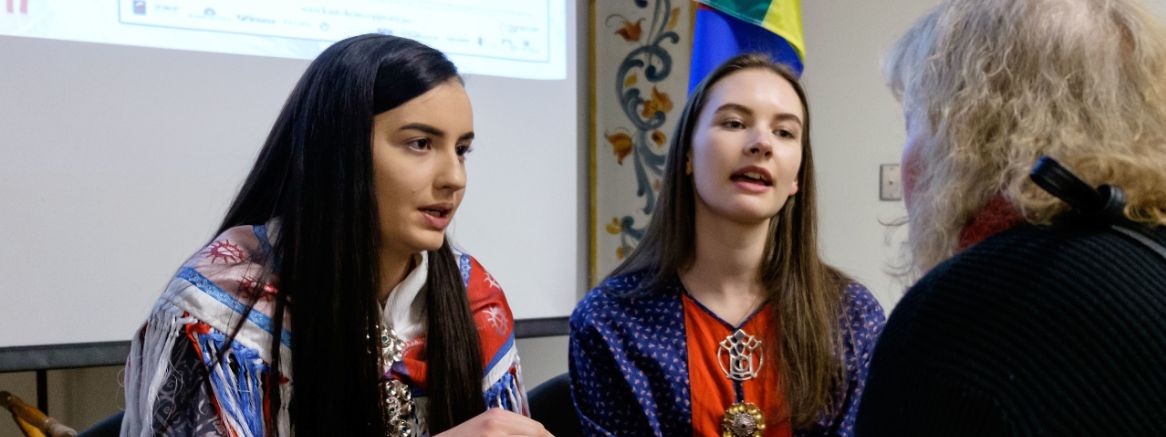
x,y
398,400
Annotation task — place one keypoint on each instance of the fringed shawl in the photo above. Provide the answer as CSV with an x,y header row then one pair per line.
x,y
209,297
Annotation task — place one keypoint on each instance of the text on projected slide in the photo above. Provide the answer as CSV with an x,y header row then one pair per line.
x,y
515,38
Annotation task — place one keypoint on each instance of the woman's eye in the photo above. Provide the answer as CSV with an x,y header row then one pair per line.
x,y
733,124
464,150
786,133
420,144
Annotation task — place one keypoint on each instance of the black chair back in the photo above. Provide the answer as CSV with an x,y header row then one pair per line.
x,y
551,405
109,427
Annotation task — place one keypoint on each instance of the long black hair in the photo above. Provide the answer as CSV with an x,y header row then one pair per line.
x,y
315,175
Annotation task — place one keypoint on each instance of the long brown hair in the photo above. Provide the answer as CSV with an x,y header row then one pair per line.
x,y
804,292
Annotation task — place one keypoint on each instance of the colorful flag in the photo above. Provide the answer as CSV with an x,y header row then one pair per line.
x,y
726,28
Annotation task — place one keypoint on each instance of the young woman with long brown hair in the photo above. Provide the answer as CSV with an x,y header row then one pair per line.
x,y
725,320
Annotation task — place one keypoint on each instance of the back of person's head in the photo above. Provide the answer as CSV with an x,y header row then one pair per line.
x,y
806,291
315,175
991,85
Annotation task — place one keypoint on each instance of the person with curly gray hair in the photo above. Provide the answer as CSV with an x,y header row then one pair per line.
x,y
1033,317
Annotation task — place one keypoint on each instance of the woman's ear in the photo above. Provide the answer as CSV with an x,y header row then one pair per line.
x,y
688,163
794,189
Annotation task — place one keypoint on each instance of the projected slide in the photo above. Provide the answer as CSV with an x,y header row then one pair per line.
x,y
515,38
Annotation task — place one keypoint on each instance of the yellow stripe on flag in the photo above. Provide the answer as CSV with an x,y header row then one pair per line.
x,y
784,18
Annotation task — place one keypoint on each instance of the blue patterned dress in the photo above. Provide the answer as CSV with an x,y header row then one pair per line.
x,y
629,360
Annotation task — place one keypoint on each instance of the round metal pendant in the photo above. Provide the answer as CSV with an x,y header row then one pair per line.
x,y
743,419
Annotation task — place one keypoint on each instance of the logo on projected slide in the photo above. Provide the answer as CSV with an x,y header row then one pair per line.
x,y
10,6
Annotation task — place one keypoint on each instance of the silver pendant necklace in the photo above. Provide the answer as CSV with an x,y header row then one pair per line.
x,y
744,356
740,357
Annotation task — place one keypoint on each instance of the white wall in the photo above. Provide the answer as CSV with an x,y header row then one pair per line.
x,y
856,125
118,163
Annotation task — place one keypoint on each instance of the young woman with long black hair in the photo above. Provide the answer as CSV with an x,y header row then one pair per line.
x,y
331,301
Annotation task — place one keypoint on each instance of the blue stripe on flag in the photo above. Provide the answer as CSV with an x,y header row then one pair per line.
x,y
718,37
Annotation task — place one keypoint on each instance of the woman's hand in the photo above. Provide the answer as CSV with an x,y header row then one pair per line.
x,y
497,422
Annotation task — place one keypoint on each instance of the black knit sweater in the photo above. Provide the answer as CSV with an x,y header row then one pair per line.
x,y
1039,330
